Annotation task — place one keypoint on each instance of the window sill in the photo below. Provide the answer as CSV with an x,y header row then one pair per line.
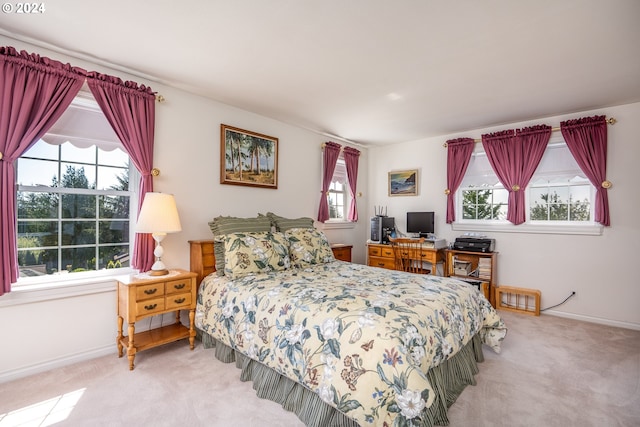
x,y
587,230
36,290
330,225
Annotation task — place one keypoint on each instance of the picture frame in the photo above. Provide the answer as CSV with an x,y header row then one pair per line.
x,y
403,182
248,158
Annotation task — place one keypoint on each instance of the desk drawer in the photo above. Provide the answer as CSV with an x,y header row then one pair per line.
x,y
382,262
386,252
429,256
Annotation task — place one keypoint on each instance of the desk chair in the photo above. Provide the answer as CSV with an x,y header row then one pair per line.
x,y
407,254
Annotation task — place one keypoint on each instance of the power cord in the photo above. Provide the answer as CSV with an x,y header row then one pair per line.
x,y
565,300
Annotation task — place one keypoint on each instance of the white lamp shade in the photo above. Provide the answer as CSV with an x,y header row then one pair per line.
x,y
158,214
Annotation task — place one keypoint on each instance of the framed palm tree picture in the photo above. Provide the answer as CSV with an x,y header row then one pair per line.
x,y
248,158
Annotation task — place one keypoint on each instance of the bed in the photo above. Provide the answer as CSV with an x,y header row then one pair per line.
x,y
339,344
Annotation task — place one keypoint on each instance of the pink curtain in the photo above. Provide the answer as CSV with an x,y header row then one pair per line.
x,y
586,138
331,153
351,158
34,92
458,155
131,112
514,156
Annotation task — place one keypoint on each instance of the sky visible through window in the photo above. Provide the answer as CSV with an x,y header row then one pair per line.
x,y
33,172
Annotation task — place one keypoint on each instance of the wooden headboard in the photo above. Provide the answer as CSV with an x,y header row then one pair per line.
x,y
202,258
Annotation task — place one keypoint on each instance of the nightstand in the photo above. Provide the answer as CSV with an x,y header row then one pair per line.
x,y
342,251
141,296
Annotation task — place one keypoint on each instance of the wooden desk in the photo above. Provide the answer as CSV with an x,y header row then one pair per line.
x,y
379,255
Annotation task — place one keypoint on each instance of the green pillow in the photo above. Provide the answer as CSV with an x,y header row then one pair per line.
x,y
284,224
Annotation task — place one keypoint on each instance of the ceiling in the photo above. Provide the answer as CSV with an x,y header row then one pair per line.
x,y
366,71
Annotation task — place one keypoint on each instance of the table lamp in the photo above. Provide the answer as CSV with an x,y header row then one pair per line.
x,y
158,216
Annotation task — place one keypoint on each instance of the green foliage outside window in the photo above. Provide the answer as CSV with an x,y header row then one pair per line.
x,y
478,204
552,207
68,229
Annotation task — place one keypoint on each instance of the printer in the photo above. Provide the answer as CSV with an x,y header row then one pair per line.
x,y
474,244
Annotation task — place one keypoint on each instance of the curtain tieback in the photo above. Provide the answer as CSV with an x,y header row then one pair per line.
x,y
447,191
515,187
605,184
155,172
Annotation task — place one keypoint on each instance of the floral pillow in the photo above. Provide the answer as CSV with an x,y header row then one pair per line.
x,y
308,246
222,225
255,252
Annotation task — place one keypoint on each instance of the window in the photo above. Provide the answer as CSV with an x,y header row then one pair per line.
x,y
339,196
74,197
559,192
558,195
485,203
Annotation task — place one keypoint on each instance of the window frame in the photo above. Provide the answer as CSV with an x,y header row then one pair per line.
x,y
530,226
62,284
340,171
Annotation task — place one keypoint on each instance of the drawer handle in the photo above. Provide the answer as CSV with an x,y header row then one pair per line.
x,y
150,306
381,264
179,300
180,286
150,291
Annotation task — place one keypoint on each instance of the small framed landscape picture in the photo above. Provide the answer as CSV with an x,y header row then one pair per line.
x,y
248,158
403,183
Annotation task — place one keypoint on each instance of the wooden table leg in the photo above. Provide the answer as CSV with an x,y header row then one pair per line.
x,y
192,329
131,350
120,336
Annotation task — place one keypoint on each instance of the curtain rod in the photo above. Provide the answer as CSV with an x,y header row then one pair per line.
x,y
610,120
159,98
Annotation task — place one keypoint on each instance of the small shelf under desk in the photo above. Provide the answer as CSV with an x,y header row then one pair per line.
x,y
482,269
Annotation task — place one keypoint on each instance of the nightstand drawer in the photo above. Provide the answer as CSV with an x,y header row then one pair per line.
x,y
175,286
149,306
342,252
176,301
154,290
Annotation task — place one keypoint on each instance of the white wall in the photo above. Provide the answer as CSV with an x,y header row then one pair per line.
x,y
187,151
601,269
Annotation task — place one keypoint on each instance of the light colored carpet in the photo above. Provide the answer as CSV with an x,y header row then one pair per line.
x,y
551,372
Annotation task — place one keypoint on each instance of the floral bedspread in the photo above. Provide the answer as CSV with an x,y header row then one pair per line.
x,y
361,337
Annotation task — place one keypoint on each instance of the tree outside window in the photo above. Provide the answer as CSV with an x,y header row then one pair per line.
x,y
77,222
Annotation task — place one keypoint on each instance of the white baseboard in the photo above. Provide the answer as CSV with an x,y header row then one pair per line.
x,y
56,363
608,322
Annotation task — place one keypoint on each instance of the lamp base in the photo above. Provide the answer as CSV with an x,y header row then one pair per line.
x,y
163,272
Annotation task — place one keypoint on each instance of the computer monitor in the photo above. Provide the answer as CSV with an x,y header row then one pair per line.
x,y
421,223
